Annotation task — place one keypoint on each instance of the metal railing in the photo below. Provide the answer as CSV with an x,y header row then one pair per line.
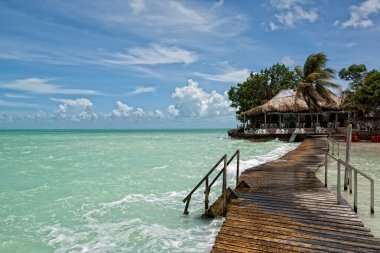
x,y
208,186
355,182
334,143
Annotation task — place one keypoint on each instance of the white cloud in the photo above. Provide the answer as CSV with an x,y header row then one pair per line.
x,y
349,45
228,76
137,6
10,95
287,60
15,104
292,12
156,54
152,17
122,110
40,115
142,90
125,111
285,4
74,109
193,101
43,86
173,111
359,15
273,26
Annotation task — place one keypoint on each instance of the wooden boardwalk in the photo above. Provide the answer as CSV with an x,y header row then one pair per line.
x,y
287,209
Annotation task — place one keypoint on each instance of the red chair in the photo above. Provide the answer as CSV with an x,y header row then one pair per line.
x,y
375,138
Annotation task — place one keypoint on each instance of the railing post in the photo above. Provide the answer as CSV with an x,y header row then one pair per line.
x,y
328,144
186,212
372,196
338,183
207,191
355,191
333,147
338,148
224,191
326,168
348,154
237,167
350,179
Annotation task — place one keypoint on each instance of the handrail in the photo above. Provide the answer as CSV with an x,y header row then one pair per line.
x,y
208,186
237,153
355,181
205,177
333,145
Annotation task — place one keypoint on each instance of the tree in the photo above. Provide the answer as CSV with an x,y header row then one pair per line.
x,y
314,81
356,74
366,96
260,87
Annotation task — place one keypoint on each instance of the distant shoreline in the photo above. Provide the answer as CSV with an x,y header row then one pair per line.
x,y
112,129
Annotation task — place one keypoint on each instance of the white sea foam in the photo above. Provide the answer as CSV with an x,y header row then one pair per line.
x,y
160,167
257,160
131,236
159,198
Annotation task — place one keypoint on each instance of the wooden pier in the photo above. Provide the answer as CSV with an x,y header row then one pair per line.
x,y
287,209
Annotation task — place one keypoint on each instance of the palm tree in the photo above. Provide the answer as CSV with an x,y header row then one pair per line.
x,y
314,85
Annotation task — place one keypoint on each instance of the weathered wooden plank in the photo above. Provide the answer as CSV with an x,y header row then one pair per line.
x,y
265,240
265,246
306,217
325,234
310,213
298,238
277,219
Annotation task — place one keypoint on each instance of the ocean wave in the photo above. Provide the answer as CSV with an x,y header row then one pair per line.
x,y
257,160
156,198
131,236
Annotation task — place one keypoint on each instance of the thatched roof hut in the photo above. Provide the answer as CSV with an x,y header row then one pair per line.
x,y
284,102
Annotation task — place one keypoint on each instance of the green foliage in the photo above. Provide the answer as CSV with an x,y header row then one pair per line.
x,y
260,87
314,81
354,73
365,96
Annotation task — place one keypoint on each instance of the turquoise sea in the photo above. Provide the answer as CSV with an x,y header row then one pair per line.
x,y
113,191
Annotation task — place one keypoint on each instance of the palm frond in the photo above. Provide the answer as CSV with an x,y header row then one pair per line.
x,y
329,84
312,98
313,77
314,63
324,93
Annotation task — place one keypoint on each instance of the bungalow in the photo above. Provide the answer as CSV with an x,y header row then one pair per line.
x,y
283,111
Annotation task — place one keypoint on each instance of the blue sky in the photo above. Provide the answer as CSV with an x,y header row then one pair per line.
x,y
162,64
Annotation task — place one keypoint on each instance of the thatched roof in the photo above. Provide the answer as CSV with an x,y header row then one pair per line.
x,y
284,101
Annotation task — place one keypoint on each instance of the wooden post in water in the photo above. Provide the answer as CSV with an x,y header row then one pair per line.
x,y
237,167
347,180
207,192
186,212
224,190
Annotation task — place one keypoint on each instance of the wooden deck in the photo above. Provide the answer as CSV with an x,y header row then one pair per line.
x,y
287,209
